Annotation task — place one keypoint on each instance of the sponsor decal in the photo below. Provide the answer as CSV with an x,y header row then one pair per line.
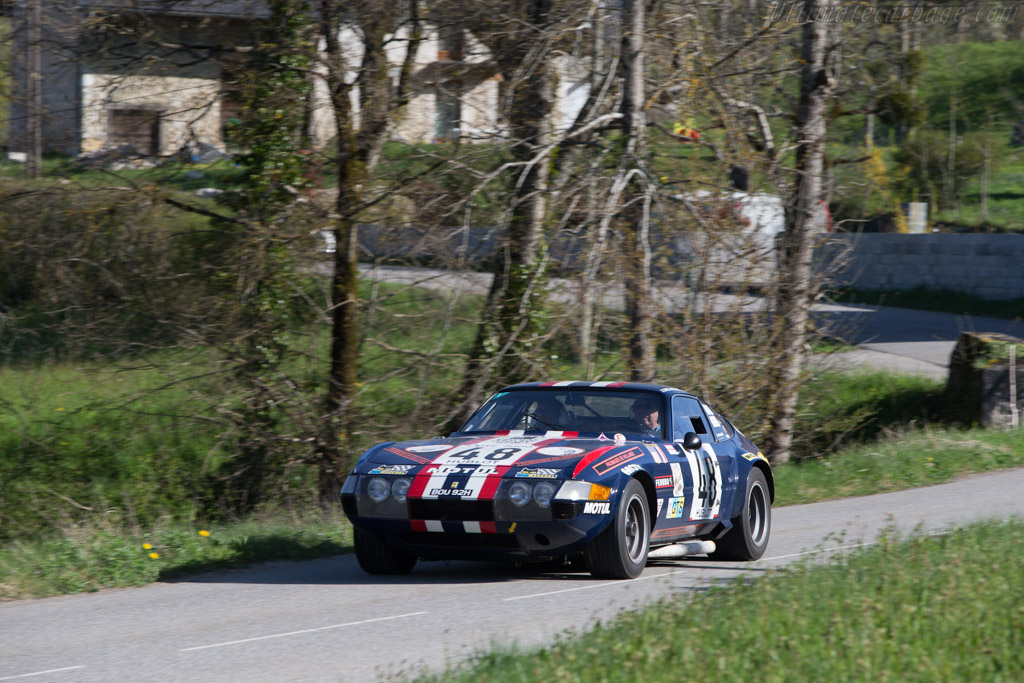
x,y
449,470
451,492
429,448
678,486
630,470
502,450
538,473
664,482
661,501
754,456
657,453
675,508
408,456
605,466
392,469
559,450
675,531
597,508
620,438
602,437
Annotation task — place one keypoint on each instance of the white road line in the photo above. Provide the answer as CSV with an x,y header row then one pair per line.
x,y
296,633
41,673
587,587
820,550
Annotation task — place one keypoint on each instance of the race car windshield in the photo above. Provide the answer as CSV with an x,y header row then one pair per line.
x,y
579,410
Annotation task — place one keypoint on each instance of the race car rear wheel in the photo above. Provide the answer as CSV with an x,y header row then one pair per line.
x,y
620,551
748,537
377,558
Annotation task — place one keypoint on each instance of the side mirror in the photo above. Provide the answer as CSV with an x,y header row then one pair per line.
x,y
692,442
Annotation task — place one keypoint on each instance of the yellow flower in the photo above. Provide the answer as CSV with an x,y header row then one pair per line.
x,y
59,409
147,546
155,556
204,532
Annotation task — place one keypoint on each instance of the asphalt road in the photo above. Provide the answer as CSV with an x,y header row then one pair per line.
x,y
325,620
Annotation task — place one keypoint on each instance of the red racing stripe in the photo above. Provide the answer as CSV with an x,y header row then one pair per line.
x,y
594,455
488,528
418,524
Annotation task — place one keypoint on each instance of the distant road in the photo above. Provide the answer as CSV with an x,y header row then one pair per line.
x,y
900,339
325,620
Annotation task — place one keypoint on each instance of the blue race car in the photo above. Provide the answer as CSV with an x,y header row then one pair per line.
x,y
618,472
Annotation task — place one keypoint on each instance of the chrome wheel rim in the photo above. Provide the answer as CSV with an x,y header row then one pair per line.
x,y
757,514
635,530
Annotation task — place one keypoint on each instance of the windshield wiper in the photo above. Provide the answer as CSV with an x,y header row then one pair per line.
x,y
532,415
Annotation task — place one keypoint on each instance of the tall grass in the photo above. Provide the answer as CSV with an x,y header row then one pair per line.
x,y
939,608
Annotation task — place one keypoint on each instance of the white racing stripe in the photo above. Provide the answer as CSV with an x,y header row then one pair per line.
x,y
296,633
41,673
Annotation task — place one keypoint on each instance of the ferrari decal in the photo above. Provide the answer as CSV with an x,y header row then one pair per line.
x,y
678,485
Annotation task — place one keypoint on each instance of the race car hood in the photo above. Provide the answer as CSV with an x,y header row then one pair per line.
x,y
512,453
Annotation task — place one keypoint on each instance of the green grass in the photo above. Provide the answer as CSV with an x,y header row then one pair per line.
x,y
943,301
104,552
928,608
900,461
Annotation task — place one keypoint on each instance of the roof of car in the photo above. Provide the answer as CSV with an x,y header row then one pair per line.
x,y
638,386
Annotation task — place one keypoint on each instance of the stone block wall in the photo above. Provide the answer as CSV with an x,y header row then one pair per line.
x,y
985,265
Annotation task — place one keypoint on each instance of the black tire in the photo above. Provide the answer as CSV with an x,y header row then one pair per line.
x,y
748,537
620,551
377,558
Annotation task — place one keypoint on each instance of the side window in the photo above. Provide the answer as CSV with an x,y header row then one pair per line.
x,y
687,416
718,424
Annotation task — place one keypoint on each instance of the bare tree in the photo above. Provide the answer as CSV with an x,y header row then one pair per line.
x,y
795,291
359,138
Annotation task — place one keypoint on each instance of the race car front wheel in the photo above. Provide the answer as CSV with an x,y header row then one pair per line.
x,y
748,537
377,558
620,551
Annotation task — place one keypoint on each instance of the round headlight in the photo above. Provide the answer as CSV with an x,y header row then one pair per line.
x,y
519,494
400,489
543,493
378,490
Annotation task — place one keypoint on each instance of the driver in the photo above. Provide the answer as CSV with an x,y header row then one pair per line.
x,y
646,412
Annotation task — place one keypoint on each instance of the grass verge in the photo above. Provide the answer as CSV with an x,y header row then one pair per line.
x,y
933,608
91,556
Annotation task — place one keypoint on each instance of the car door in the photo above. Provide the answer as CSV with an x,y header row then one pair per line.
x,y
702,469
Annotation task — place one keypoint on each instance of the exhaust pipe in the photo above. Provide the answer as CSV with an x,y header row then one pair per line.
x,y
676,550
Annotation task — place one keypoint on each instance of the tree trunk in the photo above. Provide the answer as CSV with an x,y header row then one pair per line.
x,y
358,148
508,325
637,198
795,292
